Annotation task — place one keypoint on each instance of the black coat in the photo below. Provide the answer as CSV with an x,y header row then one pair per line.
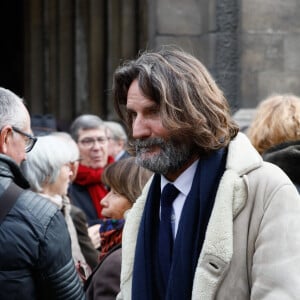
x,y
35,252
81,198
287,157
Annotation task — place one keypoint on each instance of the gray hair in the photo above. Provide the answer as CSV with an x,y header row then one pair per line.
x,y
73,150
117,130
45,160
85,122
11,109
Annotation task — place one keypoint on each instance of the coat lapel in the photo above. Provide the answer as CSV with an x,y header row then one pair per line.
x,y
231,197
217,249
130,232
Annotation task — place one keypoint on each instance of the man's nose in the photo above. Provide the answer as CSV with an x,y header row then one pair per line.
x,y
103,201
140,128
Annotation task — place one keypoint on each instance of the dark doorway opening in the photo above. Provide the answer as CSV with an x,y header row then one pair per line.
x,y
12,45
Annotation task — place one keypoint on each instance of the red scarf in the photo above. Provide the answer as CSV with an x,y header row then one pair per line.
x,y
91,178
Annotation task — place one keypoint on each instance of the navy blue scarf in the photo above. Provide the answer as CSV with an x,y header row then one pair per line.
x,y
147,281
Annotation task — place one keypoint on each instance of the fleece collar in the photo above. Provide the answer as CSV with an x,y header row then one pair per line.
x,y
231,197
242,156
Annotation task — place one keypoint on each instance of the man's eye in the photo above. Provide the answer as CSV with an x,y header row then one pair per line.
x,y
132,114
153,111
101,140
87,141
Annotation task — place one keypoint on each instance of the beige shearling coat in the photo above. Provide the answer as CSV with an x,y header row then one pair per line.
x,y
252,243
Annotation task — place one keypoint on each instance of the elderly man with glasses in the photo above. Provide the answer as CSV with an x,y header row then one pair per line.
x,y
86,191
35,252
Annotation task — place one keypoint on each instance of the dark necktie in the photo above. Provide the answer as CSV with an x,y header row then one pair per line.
x,y
165,236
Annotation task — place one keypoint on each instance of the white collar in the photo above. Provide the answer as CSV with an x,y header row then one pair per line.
x,y
184,182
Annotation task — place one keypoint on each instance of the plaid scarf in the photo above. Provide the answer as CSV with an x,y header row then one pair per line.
x,y
110,234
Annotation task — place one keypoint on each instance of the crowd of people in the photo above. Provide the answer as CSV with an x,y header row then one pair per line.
x,y
172,201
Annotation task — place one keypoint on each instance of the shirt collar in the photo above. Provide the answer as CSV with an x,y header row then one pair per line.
x,y
184,182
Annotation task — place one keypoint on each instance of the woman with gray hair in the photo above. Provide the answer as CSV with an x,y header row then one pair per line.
x,y
78,215
49,171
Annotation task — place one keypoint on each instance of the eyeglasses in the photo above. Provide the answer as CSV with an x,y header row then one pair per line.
x,y
90,142
29,141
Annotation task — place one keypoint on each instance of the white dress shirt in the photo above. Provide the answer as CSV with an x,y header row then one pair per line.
x,y
183,183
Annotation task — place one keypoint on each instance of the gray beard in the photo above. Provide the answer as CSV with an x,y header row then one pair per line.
x,y
171,157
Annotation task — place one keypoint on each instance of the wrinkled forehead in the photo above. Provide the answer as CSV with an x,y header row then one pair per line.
x,y
92,132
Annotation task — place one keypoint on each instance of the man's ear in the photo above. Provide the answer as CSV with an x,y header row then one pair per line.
x,y
5,136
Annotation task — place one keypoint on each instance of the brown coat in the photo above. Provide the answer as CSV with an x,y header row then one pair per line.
x,y
104,282
87,248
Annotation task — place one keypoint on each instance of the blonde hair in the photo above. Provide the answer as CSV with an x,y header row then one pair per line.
x,y
277,120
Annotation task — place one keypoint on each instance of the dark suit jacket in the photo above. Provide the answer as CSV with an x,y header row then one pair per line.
x,y
81,198
124,155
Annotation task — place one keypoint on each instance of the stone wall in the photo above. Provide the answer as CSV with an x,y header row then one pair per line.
x,y
270,48
72,47
251,46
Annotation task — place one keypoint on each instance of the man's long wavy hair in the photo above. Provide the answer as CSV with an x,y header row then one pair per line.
x,y
192,107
